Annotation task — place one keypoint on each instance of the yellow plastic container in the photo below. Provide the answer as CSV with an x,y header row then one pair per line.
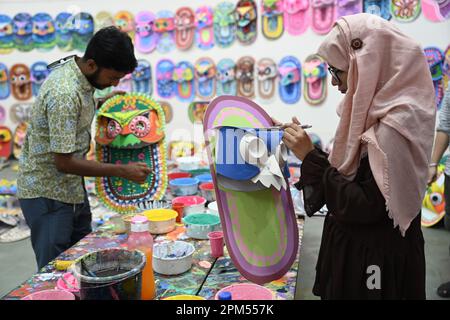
x,y
184,297
161,220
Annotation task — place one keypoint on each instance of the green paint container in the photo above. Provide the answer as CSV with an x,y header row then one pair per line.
x,y
198,225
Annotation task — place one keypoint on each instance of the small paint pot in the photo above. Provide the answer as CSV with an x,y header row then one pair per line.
x,y
127,221
184,186
184,297
207,191
172,257
192,204
212,208
52,294
246,291
188,163
198,225
204,178
178,175
161,220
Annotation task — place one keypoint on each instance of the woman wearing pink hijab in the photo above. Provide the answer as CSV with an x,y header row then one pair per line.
x,y
374,180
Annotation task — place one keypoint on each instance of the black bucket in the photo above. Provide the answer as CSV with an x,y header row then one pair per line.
x,y
110,274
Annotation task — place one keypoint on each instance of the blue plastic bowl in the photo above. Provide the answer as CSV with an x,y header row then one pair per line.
x,y
204,178
184,186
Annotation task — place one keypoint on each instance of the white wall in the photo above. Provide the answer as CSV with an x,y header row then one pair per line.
x,y
323,118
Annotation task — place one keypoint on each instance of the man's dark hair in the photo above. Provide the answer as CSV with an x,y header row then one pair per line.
x,y
111,48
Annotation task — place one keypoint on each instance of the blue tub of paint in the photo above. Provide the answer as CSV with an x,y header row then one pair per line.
x,y
204,178
184,186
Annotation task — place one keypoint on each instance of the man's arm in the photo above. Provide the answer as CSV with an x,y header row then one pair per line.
x,y
67,163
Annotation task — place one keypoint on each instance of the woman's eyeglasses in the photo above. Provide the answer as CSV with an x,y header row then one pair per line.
x,y
334,73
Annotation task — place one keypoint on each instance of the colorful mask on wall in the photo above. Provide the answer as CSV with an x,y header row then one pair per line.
x,y
267,75
142,77
124,20
289,86
378,7
348,7
296,16
205,76
19,139
164,27
39,73
146,38
224,24
444,8
246,17
165,85
103,19
204,17
433,205
196,111
130,129
184,28
4,82
83,29
44,34
167,108
432,9
315,79
6,34
272,18
23,32
63,31
5,143
248,164
178,149
226,77
20,112
245,77
323,15
435,58
405,10
183,76
20,82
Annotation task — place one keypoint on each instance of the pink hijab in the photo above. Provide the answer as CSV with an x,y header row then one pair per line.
x,y
389,105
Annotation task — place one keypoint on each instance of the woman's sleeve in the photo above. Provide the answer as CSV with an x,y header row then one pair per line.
x,y
358,201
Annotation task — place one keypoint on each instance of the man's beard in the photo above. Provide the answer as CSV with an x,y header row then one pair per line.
x,y
93,80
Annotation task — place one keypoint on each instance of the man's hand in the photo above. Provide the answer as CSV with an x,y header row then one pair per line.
x,y
296,139
136,172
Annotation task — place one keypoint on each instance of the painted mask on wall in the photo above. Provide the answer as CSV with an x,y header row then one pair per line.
x,y
44,33
184,28
82,30
224,24
204,28
226,77
23,32
5,142
142,77
6,34
146,38
124,20
165,85
267,75
39,73
164,26
20,82
245,77
205,76
63,31
246,17
4,82
183,76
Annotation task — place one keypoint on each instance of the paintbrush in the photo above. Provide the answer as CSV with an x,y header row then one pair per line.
x,y
303,126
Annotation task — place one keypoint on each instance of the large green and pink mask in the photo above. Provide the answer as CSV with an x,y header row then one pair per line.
x,y
130,128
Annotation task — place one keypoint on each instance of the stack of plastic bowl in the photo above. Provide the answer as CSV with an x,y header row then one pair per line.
x,y
184,186
207,191
192,204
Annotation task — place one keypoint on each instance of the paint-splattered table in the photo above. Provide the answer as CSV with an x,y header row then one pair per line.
x,y
205,278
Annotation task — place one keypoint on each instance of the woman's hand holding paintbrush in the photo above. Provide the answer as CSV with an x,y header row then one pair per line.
x,y
296,138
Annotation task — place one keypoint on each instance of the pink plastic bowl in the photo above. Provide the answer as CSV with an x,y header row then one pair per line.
x,y
247,291
53,294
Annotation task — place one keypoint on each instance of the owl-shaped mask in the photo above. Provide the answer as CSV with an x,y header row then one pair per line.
x,y
23,32
82,25
433,205
246,17
124,20
39,73
44,33
63,31
164,26
145,38
130,129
